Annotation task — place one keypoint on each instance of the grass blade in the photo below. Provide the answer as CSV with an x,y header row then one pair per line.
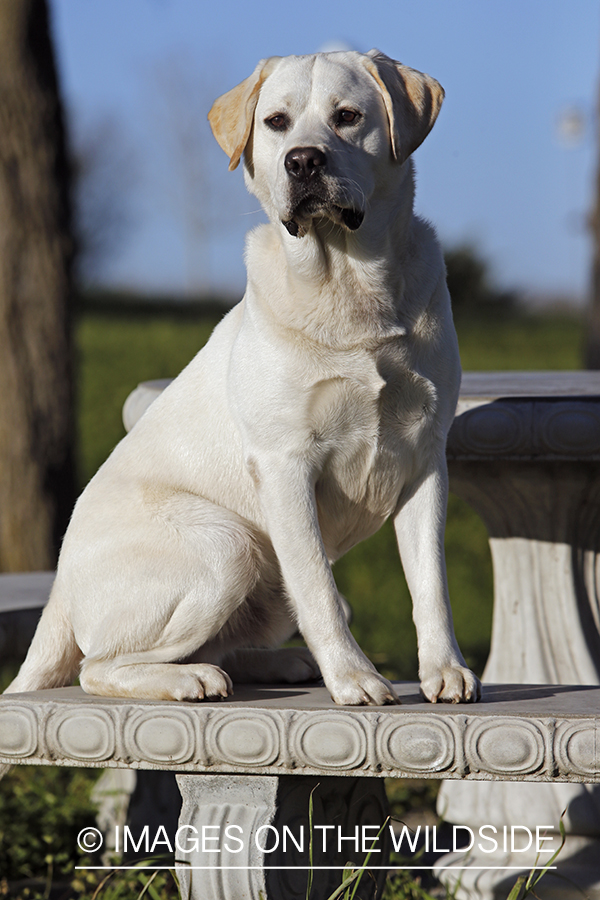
x,y
346,883
309,883
519,887
530,881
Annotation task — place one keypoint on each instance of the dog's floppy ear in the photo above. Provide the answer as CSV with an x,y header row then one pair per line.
x,y
412,101
232,114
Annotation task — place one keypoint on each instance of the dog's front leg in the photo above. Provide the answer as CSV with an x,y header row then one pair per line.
x,y
420,524
286,492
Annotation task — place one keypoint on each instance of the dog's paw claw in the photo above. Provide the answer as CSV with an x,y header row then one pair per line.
x,y
452,684
201,682
364,689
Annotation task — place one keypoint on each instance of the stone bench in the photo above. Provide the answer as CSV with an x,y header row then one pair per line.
x,y
22,598
250,763
524,451
531,732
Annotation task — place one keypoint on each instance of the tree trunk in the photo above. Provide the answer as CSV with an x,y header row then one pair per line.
x,y
36,249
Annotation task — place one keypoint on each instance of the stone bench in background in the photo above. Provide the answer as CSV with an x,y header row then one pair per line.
x,y
22,598
524,452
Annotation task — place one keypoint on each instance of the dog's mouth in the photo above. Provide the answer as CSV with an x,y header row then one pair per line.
x,y
312,207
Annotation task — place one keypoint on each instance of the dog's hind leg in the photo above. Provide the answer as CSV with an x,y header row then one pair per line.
x,y
174,600
126,677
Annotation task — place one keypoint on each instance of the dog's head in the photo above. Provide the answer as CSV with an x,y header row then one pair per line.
x,y
321,134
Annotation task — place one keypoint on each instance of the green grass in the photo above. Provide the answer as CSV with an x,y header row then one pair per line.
x,y
521,343
41,808
114,354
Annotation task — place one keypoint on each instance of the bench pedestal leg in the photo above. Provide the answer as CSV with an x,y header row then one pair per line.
x,y
235,829
544,526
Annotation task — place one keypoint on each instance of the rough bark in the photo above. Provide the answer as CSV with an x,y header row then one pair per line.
x,y
36,249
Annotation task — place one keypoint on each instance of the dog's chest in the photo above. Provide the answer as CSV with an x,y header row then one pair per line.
x,y
372,432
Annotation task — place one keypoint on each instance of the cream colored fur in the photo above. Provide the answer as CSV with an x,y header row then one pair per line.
x,y
318,409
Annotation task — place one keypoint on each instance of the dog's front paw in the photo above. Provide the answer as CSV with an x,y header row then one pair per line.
x,y
452,684
362,688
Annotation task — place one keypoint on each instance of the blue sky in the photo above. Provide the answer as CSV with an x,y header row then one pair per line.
x,y
495,170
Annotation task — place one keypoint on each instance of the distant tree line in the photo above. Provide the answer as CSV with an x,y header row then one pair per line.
x,y
471,286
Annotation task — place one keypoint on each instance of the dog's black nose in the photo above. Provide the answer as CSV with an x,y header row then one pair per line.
x,y
305,162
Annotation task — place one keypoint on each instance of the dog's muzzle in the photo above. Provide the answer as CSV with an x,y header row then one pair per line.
x,y
305,167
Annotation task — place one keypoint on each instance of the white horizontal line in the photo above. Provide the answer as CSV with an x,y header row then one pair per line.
x,y
396,868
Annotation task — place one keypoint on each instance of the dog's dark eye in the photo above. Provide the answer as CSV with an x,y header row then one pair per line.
x,y
347,116
278,122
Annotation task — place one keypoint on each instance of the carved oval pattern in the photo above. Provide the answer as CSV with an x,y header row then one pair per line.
x,y
330,742
84,733
417,744
249,739
571,430
492,429
577,749
18,732
504,747
162,738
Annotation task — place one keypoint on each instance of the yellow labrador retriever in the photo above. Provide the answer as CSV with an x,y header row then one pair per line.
x,y
319,408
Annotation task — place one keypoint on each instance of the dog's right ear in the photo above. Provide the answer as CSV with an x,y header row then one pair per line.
x,y
232,114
